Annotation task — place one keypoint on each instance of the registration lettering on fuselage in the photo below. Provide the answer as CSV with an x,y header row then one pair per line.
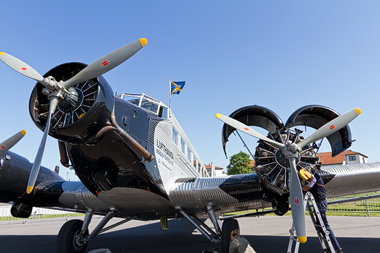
x,y
164,153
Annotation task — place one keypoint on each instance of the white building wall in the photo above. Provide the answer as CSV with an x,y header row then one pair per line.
x,y
355,159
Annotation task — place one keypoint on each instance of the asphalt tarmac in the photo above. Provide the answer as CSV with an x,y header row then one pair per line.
x,y
266,234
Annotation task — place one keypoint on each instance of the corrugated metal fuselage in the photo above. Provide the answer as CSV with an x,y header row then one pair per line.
x,y
119,177
148,190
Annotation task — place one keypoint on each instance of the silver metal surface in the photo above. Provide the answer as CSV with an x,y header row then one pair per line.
x,y
77,196
223,192
197,193
352,179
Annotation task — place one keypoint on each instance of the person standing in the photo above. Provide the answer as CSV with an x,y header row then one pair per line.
x,y
239,244
317,188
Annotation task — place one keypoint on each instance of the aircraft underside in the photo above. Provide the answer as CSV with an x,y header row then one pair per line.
x,y
227,194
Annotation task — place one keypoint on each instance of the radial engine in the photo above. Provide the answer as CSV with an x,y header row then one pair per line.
x,y
81,114
271,164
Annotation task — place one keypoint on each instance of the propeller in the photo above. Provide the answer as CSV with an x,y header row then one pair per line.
x,y
11,141
21,67
40,153
291,150
331,127
57,91
246,129
297,202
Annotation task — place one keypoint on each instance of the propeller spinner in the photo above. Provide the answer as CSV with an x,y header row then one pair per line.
x,y
57,91
292,153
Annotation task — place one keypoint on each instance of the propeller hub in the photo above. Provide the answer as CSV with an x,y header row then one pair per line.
x,y
282,158
72,100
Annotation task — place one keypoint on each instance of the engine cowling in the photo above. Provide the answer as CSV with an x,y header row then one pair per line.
x,y
83,111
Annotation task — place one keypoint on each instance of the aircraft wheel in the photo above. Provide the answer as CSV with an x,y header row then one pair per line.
x,y
68,237
280,207
228,226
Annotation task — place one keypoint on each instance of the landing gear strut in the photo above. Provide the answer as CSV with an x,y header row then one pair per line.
x,y
221,235
74,236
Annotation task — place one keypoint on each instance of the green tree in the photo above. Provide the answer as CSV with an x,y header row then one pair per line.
x,y
239,164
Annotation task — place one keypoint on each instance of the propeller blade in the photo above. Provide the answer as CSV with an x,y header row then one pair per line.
x,y
246,129
20,66
297,202
331,127
11,141
106,63
37,161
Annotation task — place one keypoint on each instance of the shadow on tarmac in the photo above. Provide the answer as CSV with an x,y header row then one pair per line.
x,y
181,237
264,244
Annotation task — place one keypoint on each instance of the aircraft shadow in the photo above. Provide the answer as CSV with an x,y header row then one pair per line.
x,y
181,237
263,244
27,243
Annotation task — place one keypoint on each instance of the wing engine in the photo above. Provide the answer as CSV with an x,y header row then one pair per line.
x,y
271,164
284,159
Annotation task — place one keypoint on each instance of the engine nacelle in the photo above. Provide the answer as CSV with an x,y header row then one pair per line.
x,y
14,175
21,210
83,111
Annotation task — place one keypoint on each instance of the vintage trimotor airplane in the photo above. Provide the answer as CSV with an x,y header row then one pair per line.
x,y
135,161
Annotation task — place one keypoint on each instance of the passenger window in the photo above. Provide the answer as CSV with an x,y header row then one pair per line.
x,y
183,146
189,155
175,136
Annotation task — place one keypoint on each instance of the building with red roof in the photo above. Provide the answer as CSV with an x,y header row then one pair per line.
x,y
218,171
344,158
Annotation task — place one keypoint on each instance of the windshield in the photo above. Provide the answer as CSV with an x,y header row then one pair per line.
x,y
146,102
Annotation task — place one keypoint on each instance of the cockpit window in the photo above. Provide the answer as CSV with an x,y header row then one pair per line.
x,y
133,100
144,101
149,105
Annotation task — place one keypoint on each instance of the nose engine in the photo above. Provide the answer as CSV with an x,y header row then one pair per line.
x,y
82,112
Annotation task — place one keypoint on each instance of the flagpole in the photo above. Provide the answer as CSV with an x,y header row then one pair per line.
x,y
170,97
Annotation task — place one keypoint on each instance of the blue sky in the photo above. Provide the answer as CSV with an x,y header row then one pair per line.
x,y
277,54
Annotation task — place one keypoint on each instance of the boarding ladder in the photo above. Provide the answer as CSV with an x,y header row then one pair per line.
x,y
319,226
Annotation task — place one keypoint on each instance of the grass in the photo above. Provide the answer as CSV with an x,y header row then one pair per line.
x,y
328,213
42,216
358,208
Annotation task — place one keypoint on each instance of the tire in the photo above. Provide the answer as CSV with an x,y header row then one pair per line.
x,y
228,226
280,207
66,242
